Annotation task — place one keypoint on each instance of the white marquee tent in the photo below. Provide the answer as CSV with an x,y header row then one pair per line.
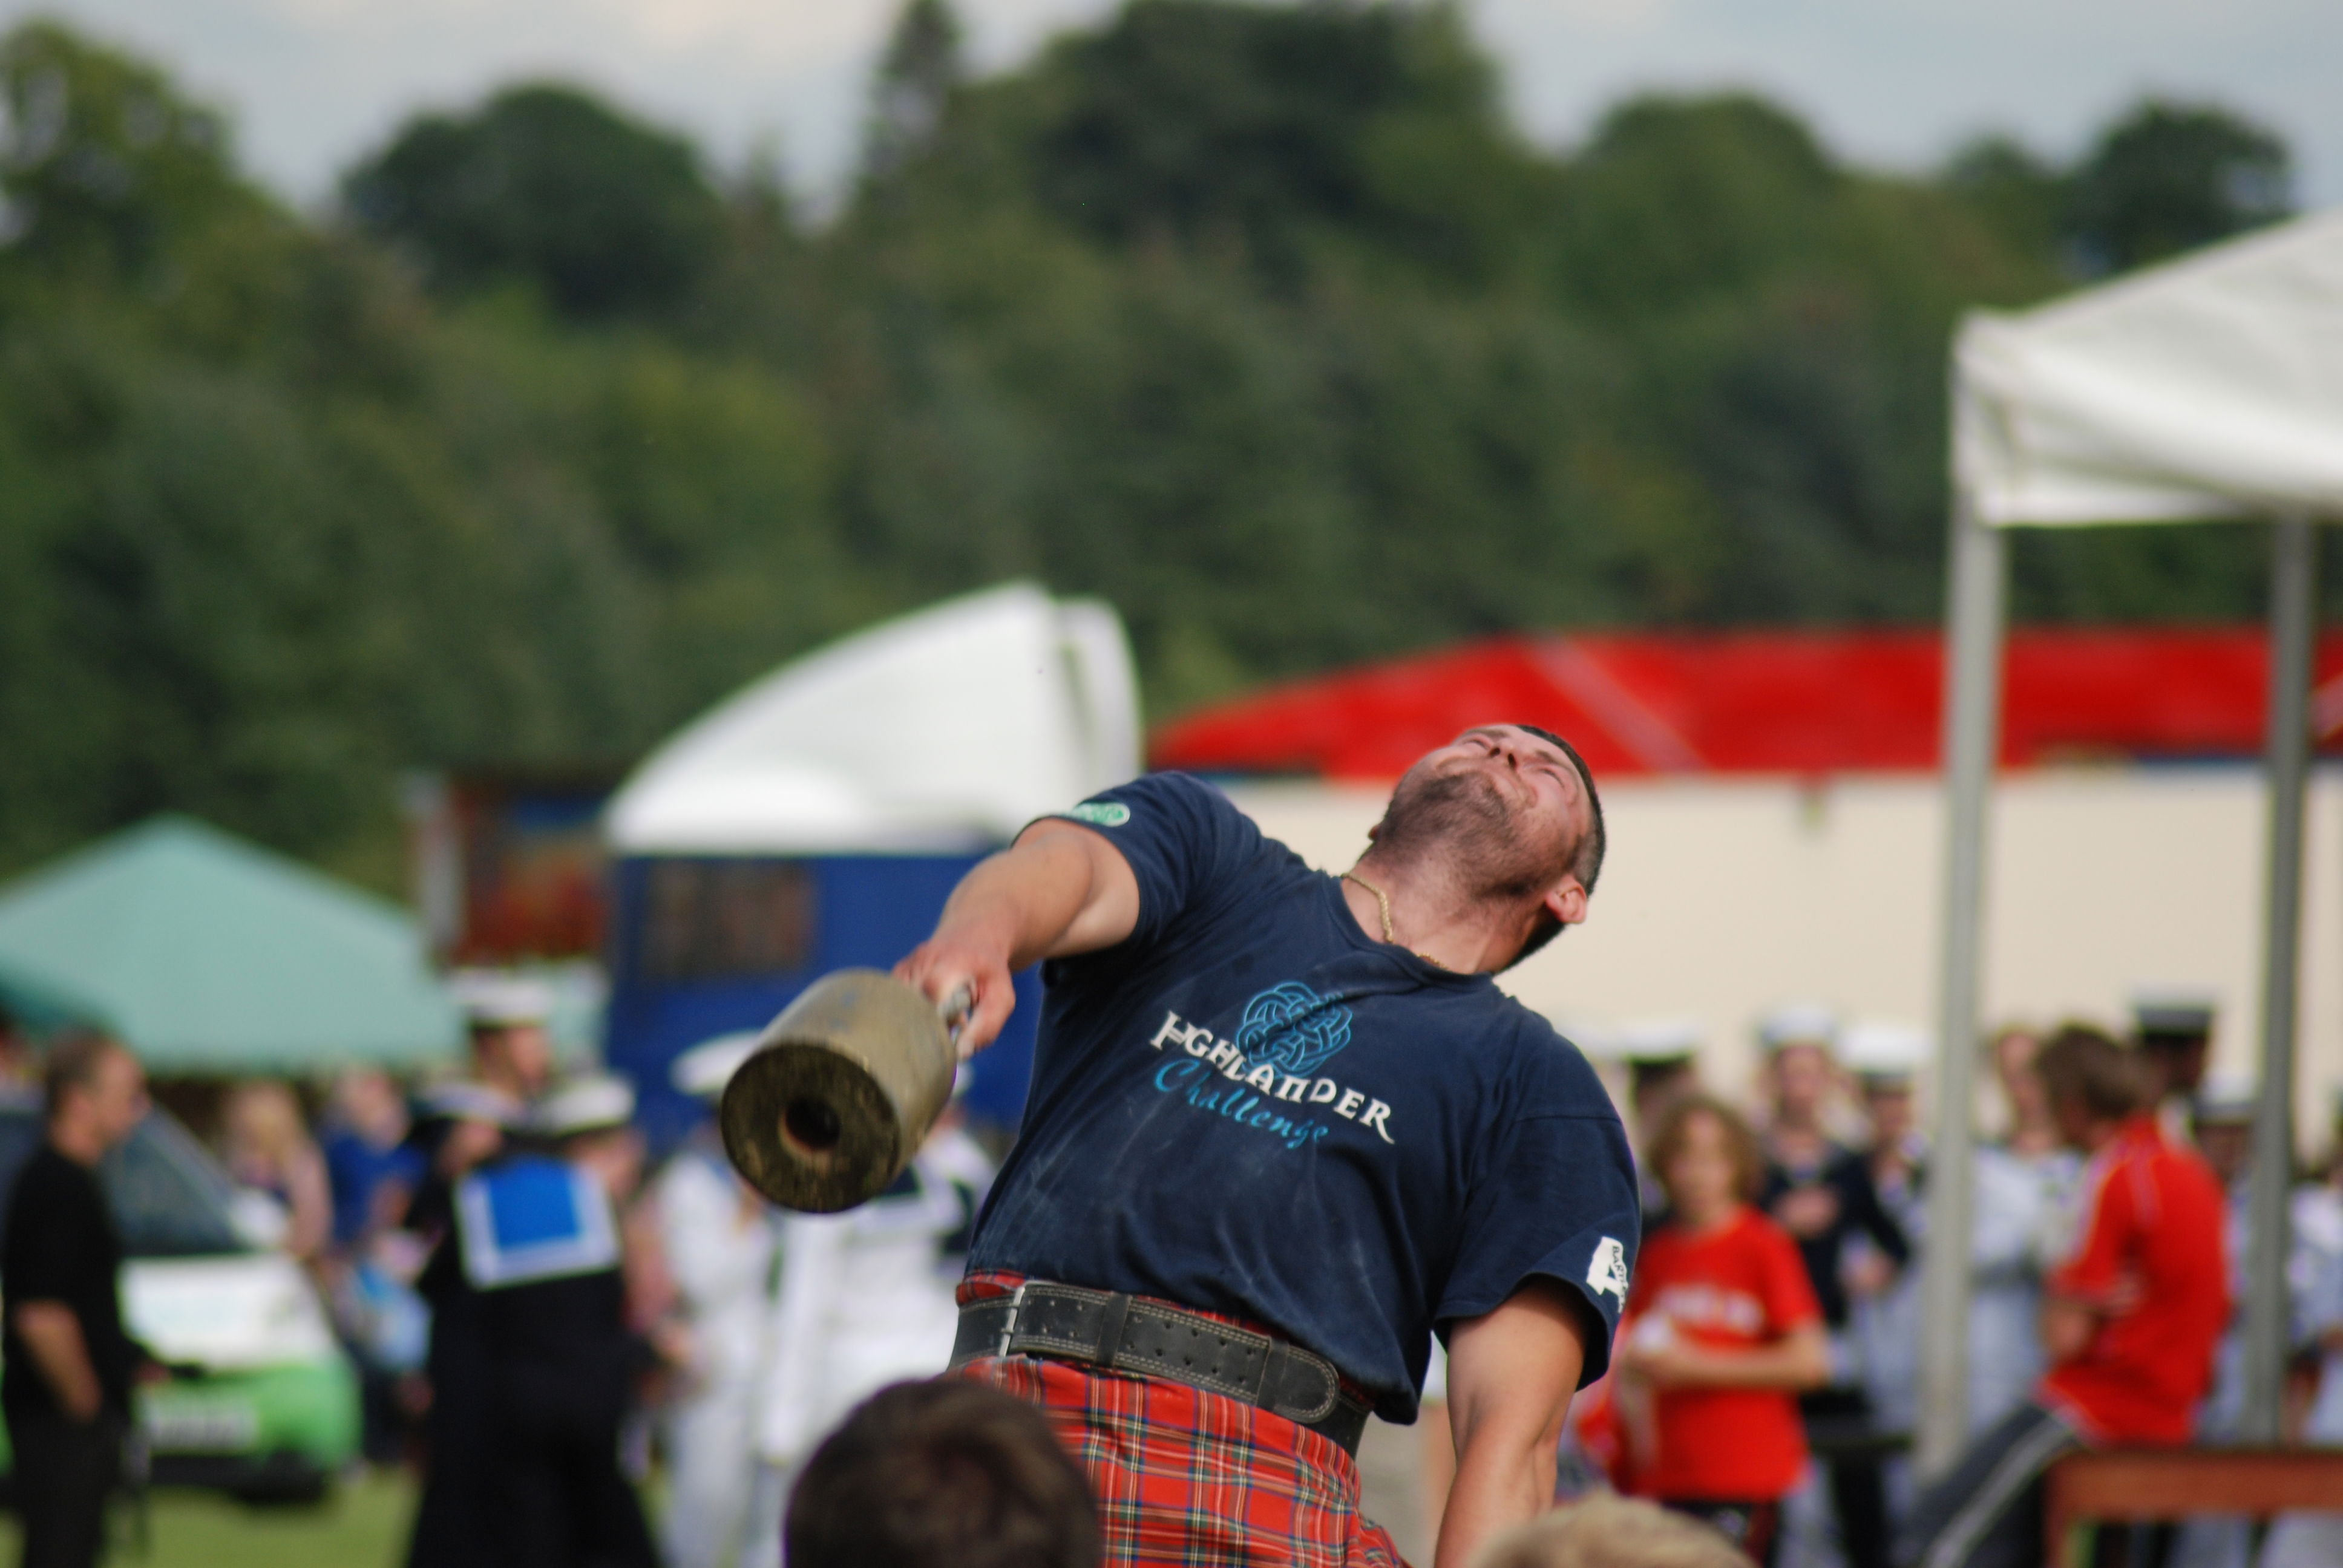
x,y
2208,388
942,731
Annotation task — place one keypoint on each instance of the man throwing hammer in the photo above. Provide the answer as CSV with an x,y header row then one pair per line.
x,y
1284,1128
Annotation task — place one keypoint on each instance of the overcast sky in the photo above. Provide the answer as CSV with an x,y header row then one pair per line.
x,y
312,83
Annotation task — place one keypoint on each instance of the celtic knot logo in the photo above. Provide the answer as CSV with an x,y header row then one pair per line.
x,y
1292,1029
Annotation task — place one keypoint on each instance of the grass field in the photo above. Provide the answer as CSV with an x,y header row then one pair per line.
x,y
363,1525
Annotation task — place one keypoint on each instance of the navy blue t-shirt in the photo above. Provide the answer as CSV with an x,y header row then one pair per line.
x,y
1251,1107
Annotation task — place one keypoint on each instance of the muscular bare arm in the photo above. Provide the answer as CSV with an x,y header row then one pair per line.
x,y
52,1333
1061,889
1510,1374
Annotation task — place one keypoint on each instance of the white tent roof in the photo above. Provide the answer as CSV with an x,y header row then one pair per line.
x,y
2212,387
944,731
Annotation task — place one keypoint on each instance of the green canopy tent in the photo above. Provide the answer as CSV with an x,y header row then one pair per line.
x,y
205,955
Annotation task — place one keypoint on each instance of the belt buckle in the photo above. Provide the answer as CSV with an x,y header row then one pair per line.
x,y
1008,1327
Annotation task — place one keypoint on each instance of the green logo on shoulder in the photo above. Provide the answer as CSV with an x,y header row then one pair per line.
x,y
1102,813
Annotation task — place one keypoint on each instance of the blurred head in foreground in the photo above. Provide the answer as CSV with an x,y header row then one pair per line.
x,y
930,1474
1606,1531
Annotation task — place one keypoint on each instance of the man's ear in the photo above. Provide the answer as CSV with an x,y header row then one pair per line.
x,y
1374,832
1566,902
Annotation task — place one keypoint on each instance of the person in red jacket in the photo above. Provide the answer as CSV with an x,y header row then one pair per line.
x,y
1721,1330
2130,1323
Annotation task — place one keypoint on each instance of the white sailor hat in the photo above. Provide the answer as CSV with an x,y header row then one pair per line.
x,y
2168,1012
492,999
1657,1041
461,1100
1884,1053
2227,1098
1798,1023
588,1104
708,1067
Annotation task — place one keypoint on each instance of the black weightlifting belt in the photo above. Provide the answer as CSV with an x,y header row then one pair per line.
x,y
1146,1338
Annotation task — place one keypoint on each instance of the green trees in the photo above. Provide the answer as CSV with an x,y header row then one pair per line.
x,y
2169,177
1258,320
1271,128
917,76
109,172
2164,178
547,186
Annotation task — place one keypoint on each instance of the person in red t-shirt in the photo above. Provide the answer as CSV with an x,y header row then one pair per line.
x,y
1721,1330
2129,1324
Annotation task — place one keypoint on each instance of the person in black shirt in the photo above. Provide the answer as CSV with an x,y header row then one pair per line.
x,y
1821,1191
69,1366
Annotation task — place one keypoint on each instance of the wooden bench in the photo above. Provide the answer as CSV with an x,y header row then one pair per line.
x,y
2122,1485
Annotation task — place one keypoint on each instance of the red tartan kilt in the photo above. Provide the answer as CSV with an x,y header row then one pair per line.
x,y
1190,1479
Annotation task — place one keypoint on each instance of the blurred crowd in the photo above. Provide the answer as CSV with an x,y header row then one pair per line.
x,y
1768,1371
540,1321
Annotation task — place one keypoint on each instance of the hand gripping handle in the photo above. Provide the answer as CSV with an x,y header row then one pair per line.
x,y
956,1010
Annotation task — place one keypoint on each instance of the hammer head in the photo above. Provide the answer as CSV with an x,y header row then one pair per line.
x,y
841,1092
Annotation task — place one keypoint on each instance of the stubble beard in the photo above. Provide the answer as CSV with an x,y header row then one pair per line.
x,y
1460,824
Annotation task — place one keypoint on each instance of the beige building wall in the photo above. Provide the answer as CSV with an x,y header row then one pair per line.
x,y
1722,898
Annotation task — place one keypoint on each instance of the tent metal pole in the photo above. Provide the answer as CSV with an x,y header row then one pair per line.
x,y
1979,573
2293,633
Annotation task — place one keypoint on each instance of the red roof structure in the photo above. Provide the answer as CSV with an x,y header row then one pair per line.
x,y
1798,702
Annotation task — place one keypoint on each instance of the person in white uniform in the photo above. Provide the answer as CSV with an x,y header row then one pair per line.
x,y
1884,1326
2305,1540
2025,1192
722,1243
866,1298
2224,1129
2222,1125
2021,1186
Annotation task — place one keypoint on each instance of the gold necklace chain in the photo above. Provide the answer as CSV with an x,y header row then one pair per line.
x,y
1382,903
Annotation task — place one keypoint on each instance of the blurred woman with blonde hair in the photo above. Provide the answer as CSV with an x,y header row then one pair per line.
x,y
266,1147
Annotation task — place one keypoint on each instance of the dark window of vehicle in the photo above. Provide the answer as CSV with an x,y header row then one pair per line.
x,y
170,1200
706,919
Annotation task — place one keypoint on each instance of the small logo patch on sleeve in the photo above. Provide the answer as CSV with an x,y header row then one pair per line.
x,y
1102,813
1607,1271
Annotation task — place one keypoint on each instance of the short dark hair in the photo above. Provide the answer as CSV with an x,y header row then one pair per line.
x,y
1586,859
925,1475
72,1064
2083,1064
